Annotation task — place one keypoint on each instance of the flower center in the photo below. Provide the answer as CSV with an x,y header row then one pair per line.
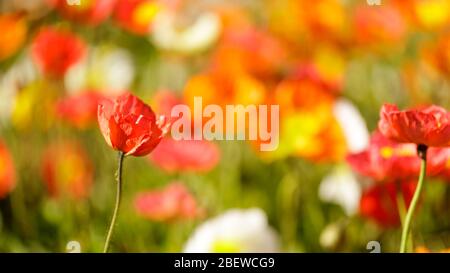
x,y
386,152
145,13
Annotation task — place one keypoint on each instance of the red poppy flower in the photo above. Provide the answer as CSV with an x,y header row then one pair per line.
x,y
171,203
55,50
80,110
90,12
446,171
7,173
385,159
164,101
379,203
429,126
136,15
186,155
130,126
67,170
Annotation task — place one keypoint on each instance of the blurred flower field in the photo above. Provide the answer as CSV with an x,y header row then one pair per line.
x,y
78,78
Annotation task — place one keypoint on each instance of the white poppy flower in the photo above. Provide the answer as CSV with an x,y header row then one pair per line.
x,y
352,124
330,236
18,76
235,231
196,37
342,188
110,70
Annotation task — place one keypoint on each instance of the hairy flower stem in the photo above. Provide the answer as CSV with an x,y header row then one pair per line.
x,y
118,199
422,153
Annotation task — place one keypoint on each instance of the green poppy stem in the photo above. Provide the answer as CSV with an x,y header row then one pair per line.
x,y
117,205
422,152
402,211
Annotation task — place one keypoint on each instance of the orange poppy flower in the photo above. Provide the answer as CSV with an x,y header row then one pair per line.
x,y
67,170
422,249
375,25
14,30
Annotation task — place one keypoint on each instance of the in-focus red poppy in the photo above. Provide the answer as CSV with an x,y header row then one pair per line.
x,y
186,155
173,202
56,50
379,202
90,12
14,30
428,126
136,16
80,110
386,159
130,126
7,172
67,170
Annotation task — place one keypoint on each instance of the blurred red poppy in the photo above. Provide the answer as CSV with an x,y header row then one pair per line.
x,y
429,126
379,202
385,159
446,171
186,155
174,202
80,110
14,30
181,155
7,172
130,126
90,12
56,50
136,16
164,101
67,170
